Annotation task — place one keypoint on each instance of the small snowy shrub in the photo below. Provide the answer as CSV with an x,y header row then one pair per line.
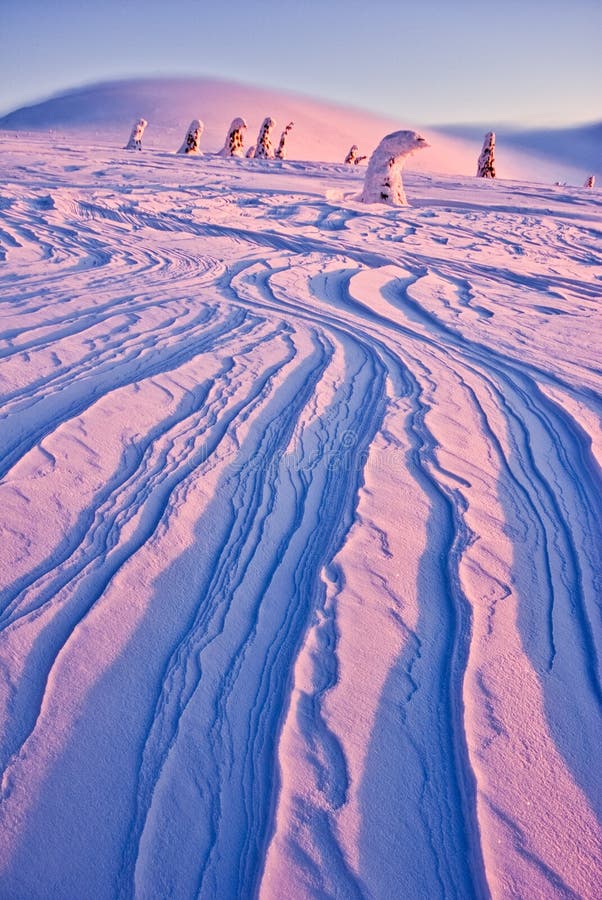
x,y
486,163
264,149
590,182
250,154
192,141
234,139
382,183
280,152
135,141
353,158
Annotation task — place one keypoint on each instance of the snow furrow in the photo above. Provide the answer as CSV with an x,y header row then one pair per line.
x,y
300,507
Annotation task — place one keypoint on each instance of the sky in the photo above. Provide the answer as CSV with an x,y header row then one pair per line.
x,y
523,62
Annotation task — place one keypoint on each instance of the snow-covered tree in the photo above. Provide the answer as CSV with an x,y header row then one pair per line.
x,y
281,152
192,140
250,154
382,183
264,148
590,182
234,139
135,141
486,163
353,158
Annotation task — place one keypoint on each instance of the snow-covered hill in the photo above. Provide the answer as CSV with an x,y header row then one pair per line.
x,y
103,114
300,530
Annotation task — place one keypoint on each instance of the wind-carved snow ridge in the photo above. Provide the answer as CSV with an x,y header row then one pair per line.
x,y
301,535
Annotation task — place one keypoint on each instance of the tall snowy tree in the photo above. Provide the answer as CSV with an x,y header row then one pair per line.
x,y
353,158
234,139
264,148
135,141
486,163
192,141
383,183
590,182
281,152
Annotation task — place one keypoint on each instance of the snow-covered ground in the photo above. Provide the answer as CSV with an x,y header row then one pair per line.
x,y
301,535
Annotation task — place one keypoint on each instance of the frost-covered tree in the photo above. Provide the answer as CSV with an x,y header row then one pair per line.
x,y
486,163
192,140
135,141
353,158
234,139
281,152
590,182
264,148
382,183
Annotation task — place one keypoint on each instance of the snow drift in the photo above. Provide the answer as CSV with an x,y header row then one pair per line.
x,y
301,538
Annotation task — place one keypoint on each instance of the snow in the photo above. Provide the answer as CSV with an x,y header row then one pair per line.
x,y
233,145
301,534
191,145
353,157
323,132
486,162
281,152
135,139
264,148
383,183
576,147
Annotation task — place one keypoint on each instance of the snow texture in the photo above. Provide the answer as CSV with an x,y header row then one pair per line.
x,y
281,149
192,140
486,163
264,148
383,183
301,536
234,139
135,140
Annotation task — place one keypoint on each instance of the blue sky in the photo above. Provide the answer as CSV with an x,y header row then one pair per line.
x,y
530,62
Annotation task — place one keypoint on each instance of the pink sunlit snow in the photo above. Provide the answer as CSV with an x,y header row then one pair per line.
x,y
300,509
